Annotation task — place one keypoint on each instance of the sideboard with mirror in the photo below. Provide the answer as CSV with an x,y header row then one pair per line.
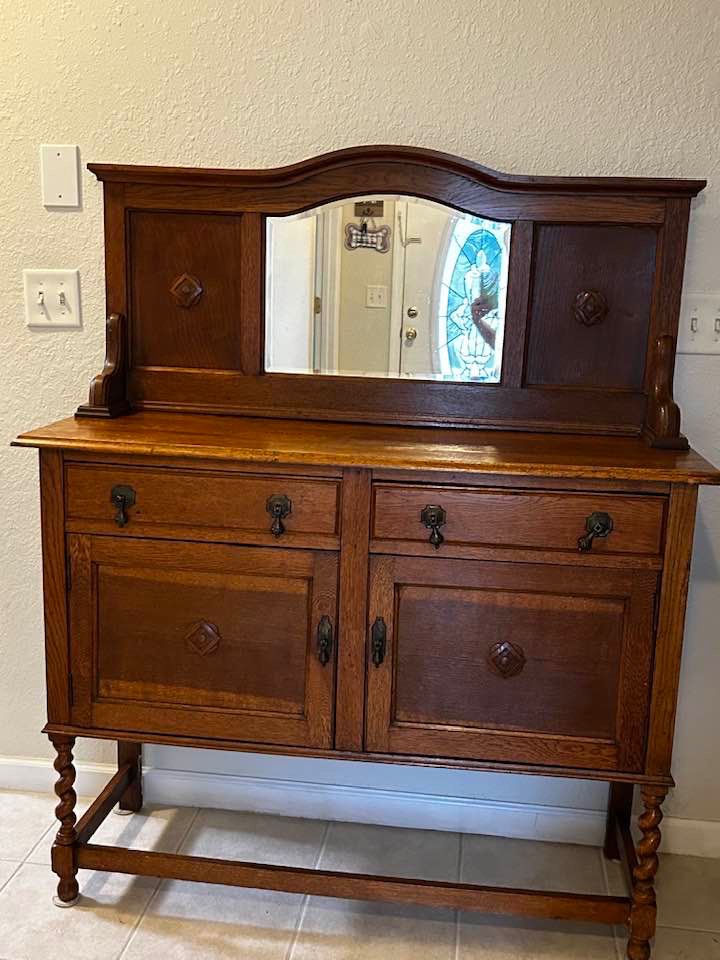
x,y
383,464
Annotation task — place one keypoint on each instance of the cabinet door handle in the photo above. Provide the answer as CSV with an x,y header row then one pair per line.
x,y
598,524
278,506
378,641
122,497
434,517
324,639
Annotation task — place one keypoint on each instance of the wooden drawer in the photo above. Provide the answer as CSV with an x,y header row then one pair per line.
x,y
201,505
515,518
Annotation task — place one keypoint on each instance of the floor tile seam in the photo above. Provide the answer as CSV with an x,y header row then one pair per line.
x,y
52,826
306,899
18,865
460,866
153,896
683,928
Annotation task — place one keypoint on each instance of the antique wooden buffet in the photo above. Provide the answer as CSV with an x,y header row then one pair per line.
x,y
483,565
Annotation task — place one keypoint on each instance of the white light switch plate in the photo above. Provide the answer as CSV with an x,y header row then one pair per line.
x,y
59,175
699,330
376,296
52,298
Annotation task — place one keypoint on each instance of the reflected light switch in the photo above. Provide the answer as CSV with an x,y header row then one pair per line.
x,y
59,175
376,296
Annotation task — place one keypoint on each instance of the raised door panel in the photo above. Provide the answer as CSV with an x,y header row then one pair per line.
x,y
511,662
203,639
185,297
590,311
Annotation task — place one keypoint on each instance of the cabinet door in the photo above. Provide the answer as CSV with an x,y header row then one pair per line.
x,y
203,639
523,663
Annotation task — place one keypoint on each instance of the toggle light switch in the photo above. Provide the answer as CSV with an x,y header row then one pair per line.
x,y
52,298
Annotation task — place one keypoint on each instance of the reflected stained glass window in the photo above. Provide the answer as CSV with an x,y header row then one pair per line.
x,y
472,299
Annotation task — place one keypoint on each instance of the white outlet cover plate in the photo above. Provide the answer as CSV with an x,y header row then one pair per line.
x,y
44,294
59,175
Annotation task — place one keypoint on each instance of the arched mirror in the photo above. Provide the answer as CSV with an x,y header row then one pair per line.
x,y
386,286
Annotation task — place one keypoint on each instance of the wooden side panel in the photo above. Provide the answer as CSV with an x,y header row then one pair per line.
x,y
615,262
350,706
671,627
57,656
185,290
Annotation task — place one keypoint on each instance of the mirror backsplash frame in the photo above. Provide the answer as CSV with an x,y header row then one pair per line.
x,y
593,297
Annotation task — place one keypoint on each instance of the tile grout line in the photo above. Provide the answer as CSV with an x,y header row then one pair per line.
x,y
18,864
306,898
619,946
53,826
460,866
156,891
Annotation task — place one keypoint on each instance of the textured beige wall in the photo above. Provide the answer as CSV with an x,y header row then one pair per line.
x,y
611,87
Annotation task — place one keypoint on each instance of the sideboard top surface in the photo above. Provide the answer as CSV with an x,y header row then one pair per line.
x,y
381,447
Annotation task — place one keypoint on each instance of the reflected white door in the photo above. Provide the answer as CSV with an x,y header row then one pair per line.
x,y
420,234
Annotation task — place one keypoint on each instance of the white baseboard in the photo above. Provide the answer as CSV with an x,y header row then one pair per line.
x,y
363,805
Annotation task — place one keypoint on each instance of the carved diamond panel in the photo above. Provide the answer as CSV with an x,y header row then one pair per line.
x,y
203,638
506,658
590,307
186,289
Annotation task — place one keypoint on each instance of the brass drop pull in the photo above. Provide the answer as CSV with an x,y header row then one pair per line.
x,y
278,506
434,517
122,497
378,640
324,639
598,524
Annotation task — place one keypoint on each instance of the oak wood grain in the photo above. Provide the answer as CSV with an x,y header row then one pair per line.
x,y
512,518
57,653
671,628
348,445
438,893
350,691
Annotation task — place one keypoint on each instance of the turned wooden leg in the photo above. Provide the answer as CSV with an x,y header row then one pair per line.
x,y
643,912
64,861
619,811
132,800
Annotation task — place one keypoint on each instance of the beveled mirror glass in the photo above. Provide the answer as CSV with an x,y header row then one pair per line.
x,y
386,286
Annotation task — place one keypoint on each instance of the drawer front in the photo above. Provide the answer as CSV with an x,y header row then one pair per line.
x,y
505,662
510,518
165,500
203,639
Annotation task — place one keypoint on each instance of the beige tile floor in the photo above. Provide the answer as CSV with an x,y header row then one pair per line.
x,y
143,919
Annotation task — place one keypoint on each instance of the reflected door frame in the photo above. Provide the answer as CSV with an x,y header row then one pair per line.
x,y
326,324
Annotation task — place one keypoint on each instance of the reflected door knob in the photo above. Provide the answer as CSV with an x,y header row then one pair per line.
x,y
410,334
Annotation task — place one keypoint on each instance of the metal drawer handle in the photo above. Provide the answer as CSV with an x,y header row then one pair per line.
x,y
324,639
378,638
434,517
598,524
278,506
122,497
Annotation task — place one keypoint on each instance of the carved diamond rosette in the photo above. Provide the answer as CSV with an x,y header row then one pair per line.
x,y
186,290
203,638
506,658
590,307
